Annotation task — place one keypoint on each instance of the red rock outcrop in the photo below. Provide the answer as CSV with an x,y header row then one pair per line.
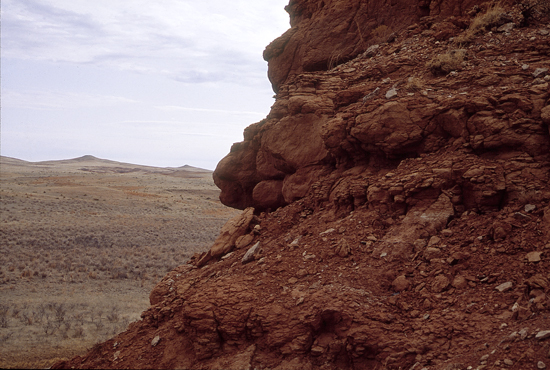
x,y
330,32
401,207
325,121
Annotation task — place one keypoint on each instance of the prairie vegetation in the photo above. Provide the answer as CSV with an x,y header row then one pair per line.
x,y
83,243
446,62
483,22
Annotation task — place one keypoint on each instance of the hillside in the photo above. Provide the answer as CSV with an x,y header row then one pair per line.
x,y
83,242
396,203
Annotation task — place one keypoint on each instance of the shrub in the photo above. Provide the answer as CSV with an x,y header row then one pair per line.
x,y
4,316
382,34
414,84
113,316
79,332
60,311
445,63
99,325
5,337
79,318
27,318
494,16
49,327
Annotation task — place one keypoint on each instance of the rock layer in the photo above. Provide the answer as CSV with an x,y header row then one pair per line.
x,y
331,32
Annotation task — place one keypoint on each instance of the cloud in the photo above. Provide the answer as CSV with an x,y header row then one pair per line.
x,y
189,41
205,110
181,78
53,100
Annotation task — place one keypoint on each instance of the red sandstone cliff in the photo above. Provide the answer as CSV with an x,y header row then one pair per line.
x,y
397,203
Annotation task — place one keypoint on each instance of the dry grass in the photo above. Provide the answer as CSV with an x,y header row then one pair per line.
x,y
381,34
481,23
79,257
414,84
445,63
334,60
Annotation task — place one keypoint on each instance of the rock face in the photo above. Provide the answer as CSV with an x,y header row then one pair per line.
x,y
324,122
330,32
397,231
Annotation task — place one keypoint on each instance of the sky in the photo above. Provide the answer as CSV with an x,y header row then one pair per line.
x,y
165,83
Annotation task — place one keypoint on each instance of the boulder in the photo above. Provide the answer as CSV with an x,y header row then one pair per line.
x,y
230,232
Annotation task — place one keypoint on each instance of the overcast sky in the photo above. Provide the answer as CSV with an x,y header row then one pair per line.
x,y
163,83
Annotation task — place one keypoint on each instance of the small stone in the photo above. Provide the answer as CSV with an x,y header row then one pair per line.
x,y
504,286
300,301
540,72
295,242
391,93
155,341
227,256
533,256
544,32
301,273
250,254
459,282
447,232
440,284
434,240
508,27
541,365
317,350
343,249
523,333
525,67
544,334
484,358
419,244
371,51
530,207
244,240
508,362
431,253
400,283
328,231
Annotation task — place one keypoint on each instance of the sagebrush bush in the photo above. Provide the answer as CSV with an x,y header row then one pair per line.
x,y
382,33
414,84
445,63
4,310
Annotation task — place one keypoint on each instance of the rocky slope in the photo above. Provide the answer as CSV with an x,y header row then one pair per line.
x,y
396,203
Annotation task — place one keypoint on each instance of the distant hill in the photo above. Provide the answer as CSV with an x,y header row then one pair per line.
x,y
92,163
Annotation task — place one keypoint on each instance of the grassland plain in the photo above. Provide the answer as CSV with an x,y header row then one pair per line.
x,y
82,243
